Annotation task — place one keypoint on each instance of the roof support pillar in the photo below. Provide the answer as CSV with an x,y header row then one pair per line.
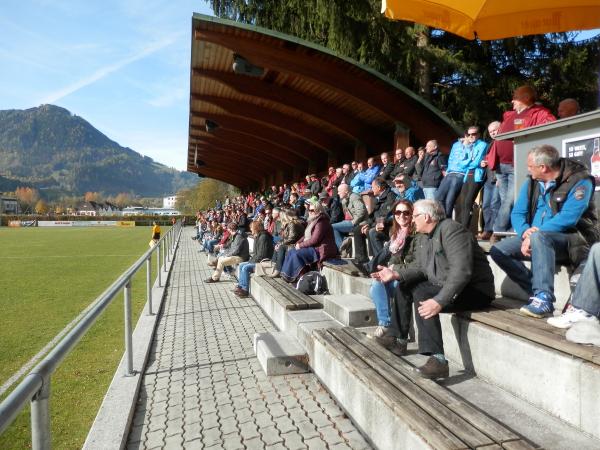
x,y
360,152
401,136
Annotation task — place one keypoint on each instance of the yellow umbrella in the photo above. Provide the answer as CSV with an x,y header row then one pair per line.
x,y
497,19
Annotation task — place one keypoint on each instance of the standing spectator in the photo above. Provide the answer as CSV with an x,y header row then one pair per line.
x,y
450,272
353,172
555,220
431,169
386,168
491,198
155,234
362,182
406,165
263,249
525,113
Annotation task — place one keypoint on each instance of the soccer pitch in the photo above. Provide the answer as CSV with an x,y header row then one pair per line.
x,y
48,276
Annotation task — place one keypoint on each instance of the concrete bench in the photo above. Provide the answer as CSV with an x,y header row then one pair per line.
x,y
395,407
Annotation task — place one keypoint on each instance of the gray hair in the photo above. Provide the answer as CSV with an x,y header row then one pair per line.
x,y
432,208
318,207
546,155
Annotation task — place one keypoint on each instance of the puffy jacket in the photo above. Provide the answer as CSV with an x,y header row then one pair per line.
x,y
362,181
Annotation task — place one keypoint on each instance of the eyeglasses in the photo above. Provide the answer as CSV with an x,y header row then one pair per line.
x,y
472,134
402,212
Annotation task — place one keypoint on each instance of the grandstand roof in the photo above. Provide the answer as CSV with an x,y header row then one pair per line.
x,y
290,107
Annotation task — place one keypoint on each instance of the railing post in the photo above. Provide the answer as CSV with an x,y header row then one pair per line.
x,y
164,259
158,266
168,246
40,418
128,343
148,284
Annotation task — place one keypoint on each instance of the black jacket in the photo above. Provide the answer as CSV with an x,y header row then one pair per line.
x,y
382,208
429,170
263,247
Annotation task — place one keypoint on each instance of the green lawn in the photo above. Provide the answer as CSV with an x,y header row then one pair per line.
x,y
47,277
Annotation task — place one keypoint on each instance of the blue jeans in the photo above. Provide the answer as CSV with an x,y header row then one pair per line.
x,y
448,191
381,294
587,292
210,245
490,206
429,192
546,249
245,269
340,230
505,182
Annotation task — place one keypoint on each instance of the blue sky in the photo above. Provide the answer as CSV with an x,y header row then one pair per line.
x,y
121,65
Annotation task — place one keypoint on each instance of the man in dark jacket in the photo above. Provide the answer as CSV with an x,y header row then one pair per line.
x,y
450,272
431,169
387,167
377,224
407,165
555,221
238,251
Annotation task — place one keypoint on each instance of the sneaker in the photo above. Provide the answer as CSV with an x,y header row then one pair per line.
x,y
570,316
210,280
433,369
537,308
391,343
380,331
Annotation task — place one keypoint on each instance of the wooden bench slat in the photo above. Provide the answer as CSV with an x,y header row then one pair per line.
x,y
415,418
306,299
283,296
517,445
512,324
418,394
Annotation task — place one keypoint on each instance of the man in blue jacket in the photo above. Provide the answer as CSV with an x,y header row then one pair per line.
x,y
555,220
463,167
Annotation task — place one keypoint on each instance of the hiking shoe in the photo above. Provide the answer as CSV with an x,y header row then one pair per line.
x,y
570,316
391,343
537,308
242,293
433,369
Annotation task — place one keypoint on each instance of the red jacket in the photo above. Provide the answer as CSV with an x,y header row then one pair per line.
x,y
502,152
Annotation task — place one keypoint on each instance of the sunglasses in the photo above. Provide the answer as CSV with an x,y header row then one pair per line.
x,y
472,134
311,210
402,212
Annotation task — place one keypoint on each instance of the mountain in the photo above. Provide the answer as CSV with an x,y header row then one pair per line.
x,y
51,149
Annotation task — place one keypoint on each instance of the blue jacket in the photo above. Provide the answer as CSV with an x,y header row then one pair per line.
x,y
362,181
464,158
573,208
412,194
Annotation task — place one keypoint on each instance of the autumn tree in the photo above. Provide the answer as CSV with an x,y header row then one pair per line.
x,y
123,200
92,197
203,195
27,198
41,207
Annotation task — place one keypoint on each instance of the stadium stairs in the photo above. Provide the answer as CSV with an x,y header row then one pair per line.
x,y
515,382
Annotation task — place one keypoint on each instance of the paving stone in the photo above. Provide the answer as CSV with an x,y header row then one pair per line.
x,y
203,388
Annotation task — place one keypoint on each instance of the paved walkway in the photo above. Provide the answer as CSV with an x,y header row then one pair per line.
x,y
204,387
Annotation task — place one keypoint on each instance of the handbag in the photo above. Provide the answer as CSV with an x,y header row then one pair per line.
x,y
265,268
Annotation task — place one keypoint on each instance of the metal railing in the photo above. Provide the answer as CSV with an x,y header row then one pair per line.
x,y
35,387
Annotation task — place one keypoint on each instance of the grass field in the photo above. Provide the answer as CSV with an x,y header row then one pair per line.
x,y
47,277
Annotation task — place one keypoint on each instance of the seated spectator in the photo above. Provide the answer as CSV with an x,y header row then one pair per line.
x,y
362,181
395,253
431,168
450,272
354,213
333,207
292,230
407,165
263,249
236,252
315,246
314,186
297,204
377,223
585,301
406,188
387,166
555,220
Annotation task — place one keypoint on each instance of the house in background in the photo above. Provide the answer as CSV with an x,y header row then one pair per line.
x,y
97,209
169,202
9,205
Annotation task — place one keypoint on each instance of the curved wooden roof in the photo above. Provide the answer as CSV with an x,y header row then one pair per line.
x,y
308,109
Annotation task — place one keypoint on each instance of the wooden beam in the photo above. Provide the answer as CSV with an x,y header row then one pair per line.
x,y
306,105
275,119
248,159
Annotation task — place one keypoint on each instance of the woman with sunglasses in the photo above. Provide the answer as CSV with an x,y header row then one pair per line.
x,y
399,252
316,245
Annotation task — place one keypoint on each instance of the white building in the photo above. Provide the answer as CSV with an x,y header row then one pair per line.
x,y
169,202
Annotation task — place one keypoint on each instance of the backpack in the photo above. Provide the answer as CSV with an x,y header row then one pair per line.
x,y
312,283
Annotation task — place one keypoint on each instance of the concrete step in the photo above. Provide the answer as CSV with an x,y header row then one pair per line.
x,y
555,381
280,354
301,324
352,310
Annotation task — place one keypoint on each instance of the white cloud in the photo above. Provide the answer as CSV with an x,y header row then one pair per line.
x,y
107,70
